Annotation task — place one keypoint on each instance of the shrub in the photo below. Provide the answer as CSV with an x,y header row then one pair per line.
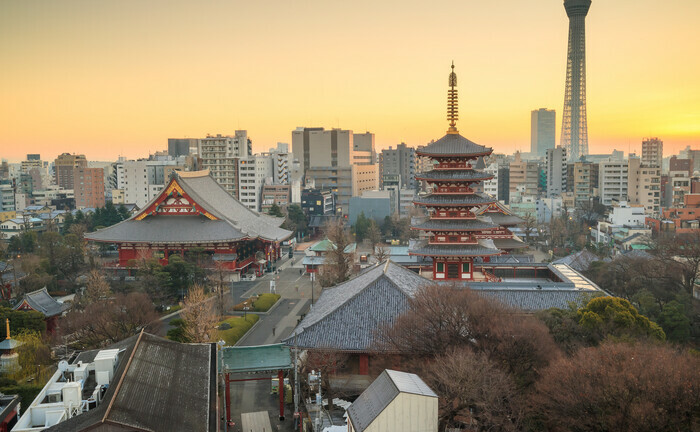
x,y
265,302
239,327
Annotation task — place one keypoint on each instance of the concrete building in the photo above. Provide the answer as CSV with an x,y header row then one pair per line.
x,y
375,205
220,153
253,173
556,171
652,152
491,186
680,165
644,185
283,165
7,196
526,174
548,208
583,181
64,166
89,187
182,146
364,143
318,202
275,194
400,161
143,179
542,131
612,181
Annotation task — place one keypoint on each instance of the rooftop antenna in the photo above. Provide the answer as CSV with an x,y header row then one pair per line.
x,y
452,104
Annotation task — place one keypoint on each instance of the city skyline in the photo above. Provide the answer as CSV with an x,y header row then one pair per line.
x,y
114,79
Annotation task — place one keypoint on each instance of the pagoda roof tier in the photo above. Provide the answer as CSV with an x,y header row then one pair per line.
x,y
454,144
484,247
476,199
454,175
499,214
193,209
455,225
509,243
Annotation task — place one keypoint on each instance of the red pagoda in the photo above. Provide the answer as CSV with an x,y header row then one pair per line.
x,y
193,212
457,239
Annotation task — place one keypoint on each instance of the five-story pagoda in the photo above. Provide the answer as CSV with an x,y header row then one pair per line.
x,y
457,240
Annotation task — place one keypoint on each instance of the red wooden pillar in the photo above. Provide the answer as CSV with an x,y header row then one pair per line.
x,y
227,398
280,375
364,364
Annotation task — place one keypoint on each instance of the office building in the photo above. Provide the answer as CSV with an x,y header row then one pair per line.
x,y
582,181
182,146
400,161
644,185
556,171
64,167
279,194
612,181
526,174
89,188
652,152
542,131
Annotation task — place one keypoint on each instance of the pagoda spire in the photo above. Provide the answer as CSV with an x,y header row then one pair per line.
x,y
452,104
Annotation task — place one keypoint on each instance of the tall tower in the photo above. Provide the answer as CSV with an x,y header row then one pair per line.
x,y
574,127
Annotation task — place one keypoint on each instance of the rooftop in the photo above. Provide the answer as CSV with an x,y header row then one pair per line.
x,y
454,145
41,301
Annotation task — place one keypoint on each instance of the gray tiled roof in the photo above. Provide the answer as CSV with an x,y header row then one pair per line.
x,y
166,386
476,199
455,225
453,144
579,261
346,316
482,249
383,390
466,175
509,243
530,300
41,301
235,221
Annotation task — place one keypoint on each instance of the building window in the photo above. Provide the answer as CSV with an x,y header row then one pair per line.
x,y
440,267
466,267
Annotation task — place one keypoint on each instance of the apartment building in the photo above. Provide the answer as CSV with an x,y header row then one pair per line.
x,y
644,185
612,181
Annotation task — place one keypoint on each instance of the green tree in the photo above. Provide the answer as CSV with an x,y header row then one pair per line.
x,y
275,210
296,220
361,226
675,322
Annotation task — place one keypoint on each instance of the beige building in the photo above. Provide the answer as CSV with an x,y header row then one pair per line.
x,y
582,181
652,152
345,182
89,188
612,181
524,173
220,154
64,166
644,185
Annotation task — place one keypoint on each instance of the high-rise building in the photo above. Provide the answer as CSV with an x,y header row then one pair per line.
x,y
219,154
64,167
89,188
612,181
400,161
542,131
652,152
524,175
253,173
364,143
182,146
582,181
644,185
574,126
556,171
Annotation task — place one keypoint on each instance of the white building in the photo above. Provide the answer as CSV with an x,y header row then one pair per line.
x,y
253,172
220,153
548,208
395,401
491,186
612,181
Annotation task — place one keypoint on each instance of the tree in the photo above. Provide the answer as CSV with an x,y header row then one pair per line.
x,y
337,265
199,315
474,393
381,253
96,289
441,318
275,210
361,226
620,387
296,220
374,234
33,354
105,322
529,226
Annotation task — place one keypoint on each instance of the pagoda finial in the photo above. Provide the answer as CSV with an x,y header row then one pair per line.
x,y
452,105
7,323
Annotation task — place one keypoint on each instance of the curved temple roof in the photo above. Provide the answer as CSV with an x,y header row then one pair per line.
x,y
459,201
454,145
232,221
458,175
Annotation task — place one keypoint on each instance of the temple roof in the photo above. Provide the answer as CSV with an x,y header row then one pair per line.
x,y
484,247
475,199
346,316
509,243
455,225
459,175
499,214
454,144
41,301
225,218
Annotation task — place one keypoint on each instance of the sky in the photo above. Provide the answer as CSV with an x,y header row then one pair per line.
x,y
118,77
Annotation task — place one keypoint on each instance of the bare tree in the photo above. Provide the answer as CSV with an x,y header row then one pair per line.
x,y
381,253
96,289
337,265
374,234
474,393
199,315
620,387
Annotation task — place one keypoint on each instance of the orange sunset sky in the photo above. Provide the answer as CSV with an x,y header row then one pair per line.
x,y
118,77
